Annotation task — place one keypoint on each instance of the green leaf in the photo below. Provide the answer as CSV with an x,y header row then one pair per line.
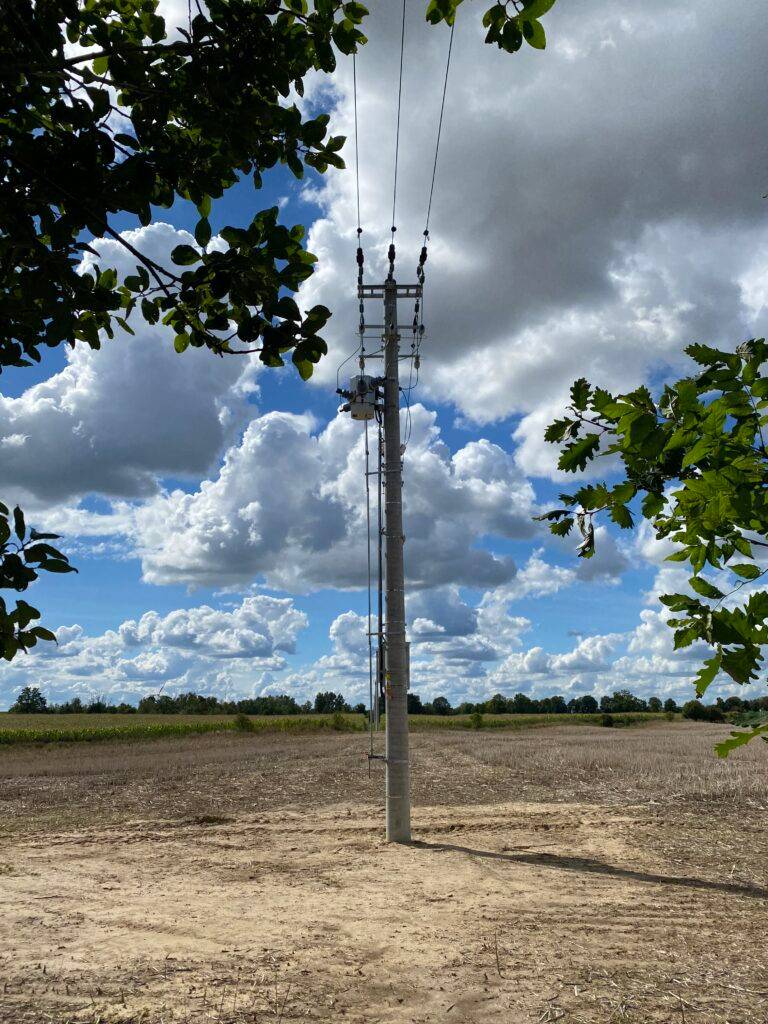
x,y
580,392
18,523
441,10
558,430
270,358
577,455
680,602
41,552
677,556
738,739
287,309
640,427
25,613
741,663
685,636
511,37
556,513
149,311
203,232
563,528
44,634
355,11
534,34
125,325
234,237
702,448
653,505
746,571
621,515
181,342
315,320
295,165
707,673
304,366
185,255
537,8
705,355
701,586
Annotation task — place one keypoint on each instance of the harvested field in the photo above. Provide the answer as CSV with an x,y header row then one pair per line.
x,y
575,874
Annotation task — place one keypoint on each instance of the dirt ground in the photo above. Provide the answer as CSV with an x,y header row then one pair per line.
x,y
570,874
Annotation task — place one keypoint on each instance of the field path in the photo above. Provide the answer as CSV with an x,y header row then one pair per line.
x,y
509,912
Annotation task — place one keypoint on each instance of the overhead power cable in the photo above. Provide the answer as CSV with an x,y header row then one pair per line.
x,y
360,257
391,253
357,156
439,129
418,311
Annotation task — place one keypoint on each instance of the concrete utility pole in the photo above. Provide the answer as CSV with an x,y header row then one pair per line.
x,y
396,677
398,796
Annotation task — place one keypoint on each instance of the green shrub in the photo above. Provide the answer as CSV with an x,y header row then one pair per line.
x,y
243,723
476,720
607,721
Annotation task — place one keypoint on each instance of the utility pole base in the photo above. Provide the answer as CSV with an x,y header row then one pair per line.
x,y
398,806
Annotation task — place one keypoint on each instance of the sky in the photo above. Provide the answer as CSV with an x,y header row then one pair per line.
x,y
598,206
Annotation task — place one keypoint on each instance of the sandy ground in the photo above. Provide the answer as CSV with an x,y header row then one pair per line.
x,y
509,911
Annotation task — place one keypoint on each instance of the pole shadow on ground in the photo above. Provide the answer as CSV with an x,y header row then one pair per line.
x,y
596,867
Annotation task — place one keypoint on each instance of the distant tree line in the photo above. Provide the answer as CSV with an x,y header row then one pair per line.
x,y
31,701
520,704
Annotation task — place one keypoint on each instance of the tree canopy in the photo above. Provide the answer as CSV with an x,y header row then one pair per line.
x,y
695,466
23,554
102,111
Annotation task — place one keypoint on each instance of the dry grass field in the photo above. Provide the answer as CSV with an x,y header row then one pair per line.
x,y
572,874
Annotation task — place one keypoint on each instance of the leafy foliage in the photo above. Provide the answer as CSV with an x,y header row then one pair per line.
x,y
23,554
101,111
696,464
508,24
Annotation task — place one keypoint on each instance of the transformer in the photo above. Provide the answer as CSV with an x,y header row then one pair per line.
x,y
362,398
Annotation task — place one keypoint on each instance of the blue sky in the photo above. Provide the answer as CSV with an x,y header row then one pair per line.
x,y
583,224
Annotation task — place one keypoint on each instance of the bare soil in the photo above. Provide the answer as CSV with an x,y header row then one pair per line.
x,y
577,875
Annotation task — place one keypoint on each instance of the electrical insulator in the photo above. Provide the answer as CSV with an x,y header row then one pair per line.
x,y
362,401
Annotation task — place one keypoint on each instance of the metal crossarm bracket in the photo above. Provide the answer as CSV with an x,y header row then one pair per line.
x,y
376,291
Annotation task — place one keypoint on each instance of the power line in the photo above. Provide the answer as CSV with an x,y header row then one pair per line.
x,y
360,256
439,129
397,131
418,313
357,157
